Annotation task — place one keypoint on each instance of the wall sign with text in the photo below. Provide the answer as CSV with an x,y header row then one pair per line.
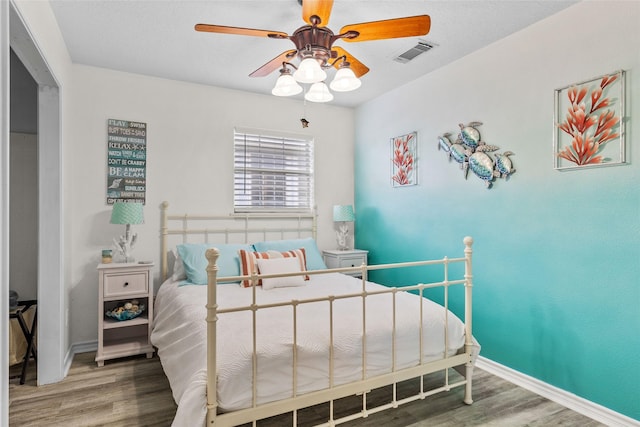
x,y
126,161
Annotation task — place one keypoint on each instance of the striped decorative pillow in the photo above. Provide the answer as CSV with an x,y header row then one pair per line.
x,y
248,263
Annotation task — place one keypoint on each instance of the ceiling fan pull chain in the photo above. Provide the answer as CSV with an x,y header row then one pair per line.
x,y
303,120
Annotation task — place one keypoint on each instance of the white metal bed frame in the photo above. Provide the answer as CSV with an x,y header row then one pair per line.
x,y
306,223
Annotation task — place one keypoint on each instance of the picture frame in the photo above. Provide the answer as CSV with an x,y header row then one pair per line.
x,y
589,123
404,160
126,161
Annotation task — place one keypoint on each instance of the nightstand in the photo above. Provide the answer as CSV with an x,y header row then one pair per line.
x,y
120,283
348,258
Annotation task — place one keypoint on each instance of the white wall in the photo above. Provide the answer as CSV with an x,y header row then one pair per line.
x,y
23,273
189,162
23,211
24,98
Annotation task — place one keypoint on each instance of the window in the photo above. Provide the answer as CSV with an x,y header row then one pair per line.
x,y
272,172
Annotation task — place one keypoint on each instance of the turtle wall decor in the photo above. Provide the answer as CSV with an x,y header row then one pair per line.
x,y
472,153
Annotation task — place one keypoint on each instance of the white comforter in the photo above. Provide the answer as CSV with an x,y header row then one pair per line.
x,y
179,333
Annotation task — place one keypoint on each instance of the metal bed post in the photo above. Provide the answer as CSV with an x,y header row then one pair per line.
x,y
163,246
212,318
468,341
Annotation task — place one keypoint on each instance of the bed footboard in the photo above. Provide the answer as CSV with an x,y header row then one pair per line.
x,y
462,361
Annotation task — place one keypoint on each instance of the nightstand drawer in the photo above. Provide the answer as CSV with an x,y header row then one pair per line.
x,y
345,259
121,285
355,261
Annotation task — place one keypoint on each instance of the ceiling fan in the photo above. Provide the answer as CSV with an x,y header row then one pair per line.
x,y
316,52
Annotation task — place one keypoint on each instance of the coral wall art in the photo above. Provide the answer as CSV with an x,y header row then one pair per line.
x,y
589,123
404,160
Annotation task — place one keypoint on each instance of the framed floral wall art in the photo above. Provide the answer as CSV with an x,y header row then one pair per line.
x,y
404,160
589,123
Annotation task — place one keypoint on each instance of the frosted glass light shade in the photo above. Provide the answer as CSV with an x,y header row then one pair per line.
x,y
286,85
345,80
318,92
343,213
127,213
309,71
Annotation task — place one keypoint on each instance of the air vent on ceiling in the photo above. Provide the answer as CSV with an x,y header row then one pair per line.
x,y
418,49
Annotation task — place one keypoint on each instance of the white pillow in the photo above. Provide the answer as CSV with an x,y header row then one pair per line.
x,y
278,266
178,267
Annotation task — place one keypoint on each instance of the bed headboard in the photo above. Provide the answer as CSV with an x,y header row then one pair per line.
x,y
232,228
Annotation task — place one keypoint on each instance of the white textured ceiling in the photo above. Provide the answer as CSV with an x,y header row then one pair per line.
x,y
156,37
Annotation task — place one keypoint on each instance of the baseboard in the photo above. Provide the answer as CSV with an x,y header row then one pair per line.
x,y
564,398
79,347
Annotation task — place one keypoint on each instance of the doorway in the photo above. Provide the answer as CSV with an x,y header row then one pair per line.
x,y
49,263
23,181
23,214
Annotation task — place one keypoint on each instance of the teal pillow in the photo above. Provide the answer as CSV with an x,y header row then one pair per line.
x,y
195,262
314,257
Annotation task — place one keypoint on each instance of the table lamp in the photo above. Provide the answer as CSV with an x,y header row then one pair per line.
x,y
343,214
126,213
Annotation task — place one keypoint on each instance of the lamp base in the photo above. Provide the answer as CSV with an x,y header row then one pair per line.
x,y
342,237
124,244
124,254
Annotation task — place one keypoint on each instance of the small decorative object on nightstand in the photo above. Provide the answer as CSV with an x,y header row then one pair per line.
x,y
346,258
125,310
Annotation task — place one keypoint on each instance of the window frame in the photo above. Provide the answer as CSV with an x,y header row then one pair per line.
x,y
301,166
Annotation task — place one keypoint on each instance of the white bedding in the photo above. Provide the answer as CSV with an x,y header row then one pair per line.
x,y
179,333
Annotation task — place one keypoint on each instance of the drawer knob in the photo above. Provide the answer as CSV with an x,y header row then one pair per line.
x,y
126,284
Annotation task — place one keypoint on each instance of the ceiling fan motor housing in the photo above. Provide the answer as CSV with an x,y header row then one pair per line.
x,y
314,41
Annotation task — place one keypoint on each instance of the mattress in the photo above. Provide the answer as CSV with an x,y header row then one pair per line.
x,y
179,333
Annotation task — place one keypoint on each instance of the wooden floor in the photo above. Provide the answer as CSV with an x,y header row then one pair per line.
x,y
135,392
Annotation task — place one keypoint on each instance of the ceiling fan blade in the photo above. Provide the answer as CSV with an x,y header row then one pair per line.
x,y
319,8
358,68
388,29
240,31
274,64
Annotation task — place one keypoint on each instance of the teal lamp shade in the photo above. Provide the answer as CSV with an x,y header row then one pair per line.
x,y
127,213
343,213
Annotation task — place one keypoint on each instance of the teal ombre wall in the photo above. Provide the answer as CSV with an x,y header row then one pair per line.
x,y
557,254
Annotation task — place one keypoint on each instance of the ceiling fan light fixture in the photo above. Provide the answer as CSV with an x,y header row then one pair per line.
x,y
286,85
318,92
309,71
315,51
345,80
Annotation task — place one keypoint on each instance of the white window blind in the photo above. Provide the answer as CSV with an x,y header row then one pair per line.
x,y
272,172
